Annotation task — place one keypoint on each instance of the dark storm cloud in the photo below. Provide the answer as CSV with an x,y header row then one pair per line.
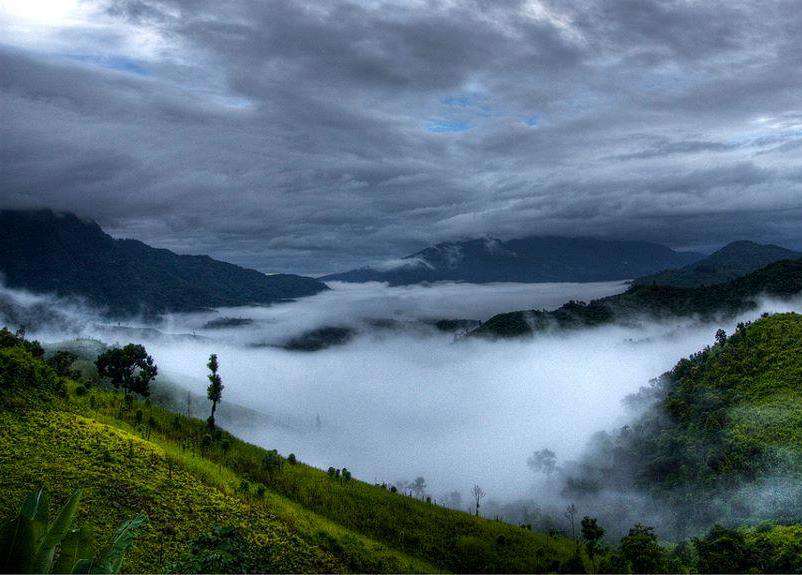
x,y
311,137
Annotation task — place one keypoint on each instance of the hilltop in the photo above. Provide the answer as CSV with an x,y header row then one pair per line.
x,y
730,262
530,260
781,279
62,254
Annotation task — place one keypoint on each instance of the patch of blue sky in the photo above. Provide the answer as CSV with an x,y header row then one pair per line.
x,y
532,120
447,126
118,63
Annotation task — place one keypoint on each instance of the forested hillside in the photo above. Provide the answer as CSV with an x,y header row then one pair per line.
x,y
720,441
724,426
781,279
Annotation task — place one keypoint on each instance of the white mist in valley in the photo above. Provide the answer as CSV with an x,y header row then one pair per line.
x,y
394,404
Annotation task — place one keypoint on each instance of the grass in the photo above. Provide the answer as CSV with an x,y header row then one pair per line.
x,y
448,539
58,432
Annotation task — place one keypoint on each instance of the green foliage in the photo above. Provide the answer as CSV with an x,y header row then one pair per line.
x,y
215,390
640,549
724,551
592,535
221,550
723,421
781,279
62,362
129,368
29,541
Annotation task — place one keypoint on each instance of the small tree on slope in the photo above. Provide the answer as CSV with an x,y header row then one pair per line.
x,y
215,390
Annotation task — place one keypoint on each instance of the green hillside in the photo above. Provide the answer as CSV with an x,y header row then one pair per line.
x,y
723,440
287,516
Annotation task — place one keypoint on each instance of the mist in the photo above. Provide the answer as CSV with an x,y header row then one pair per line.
x,y
391,405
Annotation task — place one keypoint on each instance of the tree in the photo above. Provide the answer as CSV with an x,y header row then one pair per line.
x,y
641,550
478,494
721,337
215,390
570,513
592,535
725,550
62,361
129,368
418,487
543,461
272,463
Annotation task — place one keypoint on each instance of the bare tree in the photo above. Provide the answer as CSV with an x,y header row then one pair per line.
x,y
418,487
543,461
570,513
478,494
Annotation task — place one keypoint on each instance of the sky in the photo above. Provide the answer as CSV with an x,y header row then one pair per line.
x,y
313,137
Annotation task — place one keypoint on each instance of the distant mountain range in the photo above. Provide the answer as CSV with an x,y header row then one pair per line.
x,y
732,261
530,259
59,253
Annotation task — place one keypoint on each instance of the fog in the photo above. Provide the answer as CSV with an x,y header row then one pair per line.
x,y
394,404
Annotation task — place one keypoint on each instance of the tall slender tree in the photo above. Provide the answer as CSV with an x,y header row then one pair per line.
x,y
478,494
215,390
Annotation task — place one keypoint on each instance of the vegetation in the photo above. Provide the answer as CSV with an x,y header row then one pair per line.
x,y
724,418
215,390
722,440
216,502
31,543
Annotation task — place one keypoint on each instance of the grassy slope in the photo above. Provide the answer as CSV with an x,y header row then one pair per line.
x,y
182,494
306,521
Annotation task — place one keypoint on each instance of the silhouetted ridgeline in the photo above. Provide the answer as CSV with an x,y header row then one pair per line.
x,y
780,279
529,260
48,252
730,262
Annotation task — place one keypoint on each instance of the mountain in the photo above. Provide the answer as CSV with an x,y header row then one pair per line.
x,y
718,438
59,253
530,259
781,279
732,261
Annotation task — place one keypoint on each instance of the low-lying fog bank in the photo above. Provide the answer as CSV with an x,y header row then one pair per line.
x,y
415,403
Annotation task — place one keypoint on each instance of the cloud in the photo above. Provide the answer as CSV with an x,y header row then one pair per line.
x,y
314,137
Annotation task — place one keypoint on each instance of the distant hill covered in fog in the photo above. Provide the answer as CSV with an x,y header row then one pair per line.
x,y
531,259
62,254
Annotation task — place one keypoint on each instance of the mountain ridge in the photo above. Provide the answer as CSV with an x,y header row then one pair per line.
x,y
530,259
62,254
734,260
